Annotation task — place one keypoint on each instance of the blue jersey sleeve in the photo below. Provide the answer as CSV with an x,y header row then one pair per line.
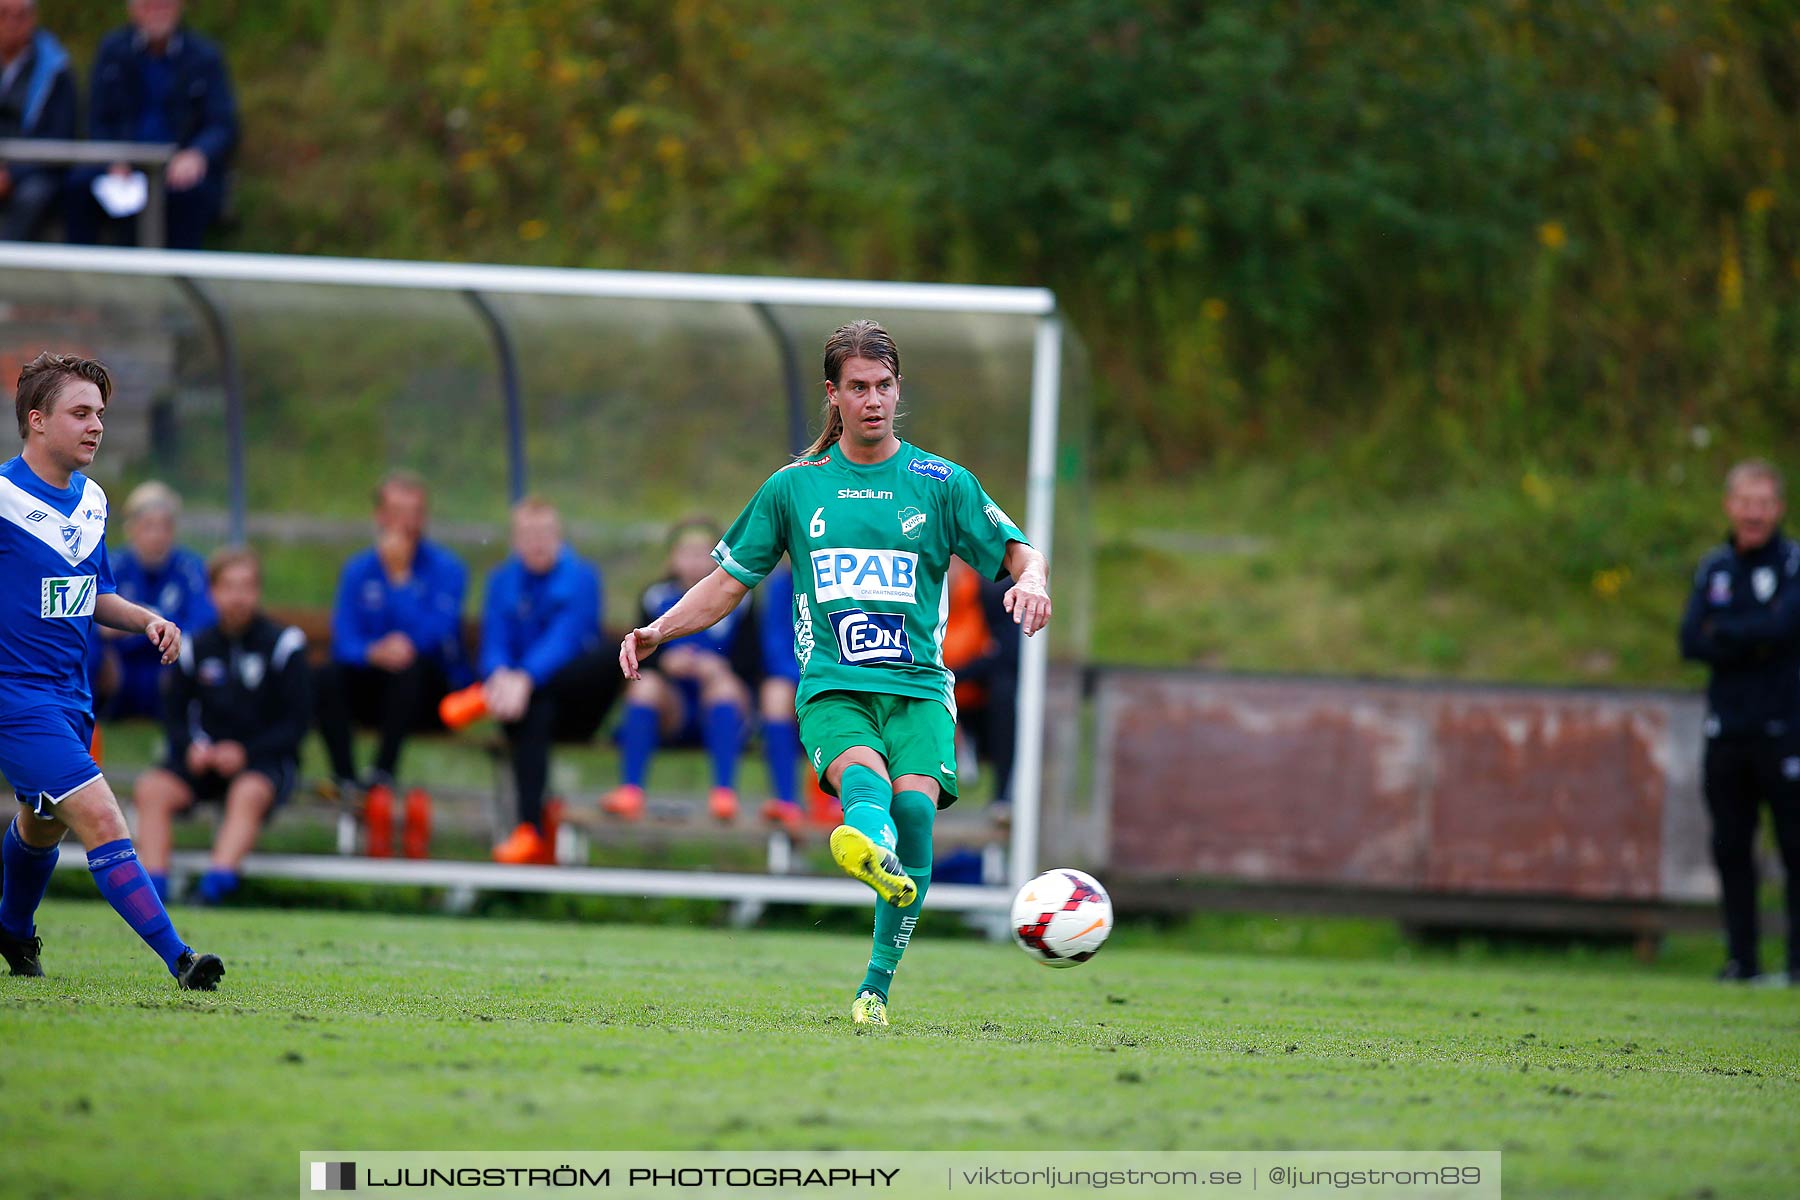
x,y
350,637
197,613
435,623
776,618
496,627
576,600
103,576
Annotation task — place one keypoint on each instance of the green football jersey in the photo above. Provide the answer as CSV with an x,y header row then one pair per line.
x,y
870,547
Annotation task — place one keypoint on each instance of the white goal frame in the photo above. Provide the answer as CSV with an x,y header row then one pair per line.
x,y
187,267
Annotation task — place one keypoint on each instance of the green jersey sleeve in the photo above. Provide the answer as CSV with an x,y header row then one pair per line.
x,y
758,538
982,528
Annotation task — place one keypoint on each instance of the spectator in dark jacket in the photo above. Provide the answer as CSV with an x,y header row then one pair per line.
x,y
234,711
1743,621
547,674
37,100
157,81
396,649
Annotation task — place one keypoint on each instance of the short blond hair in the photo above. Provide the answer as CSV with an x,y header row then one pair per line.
x,y
1756,468
152,496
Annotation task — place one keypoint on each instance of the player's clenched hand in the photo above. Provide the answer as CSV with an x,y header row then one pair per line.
x,y
637,644
1029,603
165,636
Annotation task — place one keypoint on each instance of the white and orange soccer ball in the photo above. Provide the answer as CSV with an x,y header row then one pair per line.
x,y
1062,917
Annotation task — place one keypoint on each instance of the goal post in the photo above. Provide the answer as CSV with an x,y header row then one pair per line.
x,y
262,320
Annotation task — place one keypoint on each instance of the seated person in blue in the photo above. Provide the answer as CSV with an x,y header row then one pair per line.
x,y
694,689
157,81
547,673
155,572
775,697
37,100
237,703
396,649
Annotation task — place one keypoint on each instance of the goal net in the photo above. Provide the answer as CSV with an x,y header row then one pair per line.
x,y
274,391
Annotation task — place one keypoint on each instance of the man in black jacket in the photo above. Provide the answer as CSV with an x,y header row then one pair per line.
x,y
157,81
1743,621
234,712
37,100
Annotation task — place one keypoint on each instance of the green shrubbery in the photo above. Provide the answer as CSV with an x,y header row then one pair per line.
x,y
1461,308
1429,236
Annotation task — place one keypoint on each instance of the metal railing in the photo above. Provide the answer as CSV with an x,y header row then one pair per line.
x,y
152,157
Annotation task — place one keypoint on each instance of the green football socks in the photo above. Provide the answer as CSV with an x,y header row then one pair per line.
x,y
868,799
913,814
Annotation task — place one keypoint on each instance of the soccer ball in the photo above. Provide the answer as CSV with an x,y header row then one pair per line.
x,y
1062,917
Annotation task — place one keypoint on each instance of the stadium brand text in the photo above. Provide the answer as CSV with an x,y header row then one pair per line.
x,y
863,494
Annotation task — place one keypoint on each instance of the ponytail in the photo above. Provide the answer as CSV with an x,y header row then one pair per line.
x,y
834,429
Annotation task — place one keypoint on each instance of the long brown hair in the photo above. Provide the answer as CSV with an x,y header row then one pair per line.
x,y
858,339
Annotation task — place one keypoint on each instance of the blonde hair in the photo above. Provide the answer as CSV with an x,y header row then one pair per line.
x,y
858,339
152,496
1756,468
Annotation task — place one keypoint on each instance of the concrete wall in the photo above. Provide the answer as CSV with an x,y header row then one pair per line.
x,y
1430,788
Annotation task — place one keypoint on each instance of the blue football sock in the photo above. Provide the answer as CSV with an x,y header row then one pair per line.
x,y
637,742
781,746
160,881
723,727
867,797
27,876
122,880
216,884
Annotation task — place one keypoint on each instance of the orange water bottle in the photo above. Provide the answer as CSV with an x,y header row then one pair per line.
x,y
463,707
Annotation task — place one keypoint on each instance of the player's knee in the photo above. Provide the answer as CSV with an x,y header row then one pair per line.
x,y
913,809
40,833
855,756
726,688
158,792
776,699
646,691
251,794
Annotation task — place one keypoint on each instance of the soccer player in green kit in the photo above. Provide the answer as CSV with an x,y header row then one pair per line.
x,y
869,523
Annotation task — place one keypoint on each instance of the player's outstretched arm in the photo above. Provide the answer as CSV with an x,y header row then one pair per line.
x,y
701,608
116,612
1028,599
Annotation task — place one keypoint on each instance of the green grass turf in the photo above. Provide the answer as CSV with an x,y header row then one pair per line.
x,y
383,1032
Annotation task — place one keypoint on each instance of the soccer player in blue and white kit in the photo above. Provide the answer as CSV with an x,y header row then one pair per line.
x,y
54,584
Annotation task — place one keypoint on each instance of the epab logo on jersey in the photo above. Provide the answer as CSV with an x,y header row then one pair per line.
x,y
866,638
856,573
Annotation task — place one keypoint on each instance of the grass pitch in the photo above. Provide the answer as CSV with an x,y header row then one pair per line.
x,y
379,1032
